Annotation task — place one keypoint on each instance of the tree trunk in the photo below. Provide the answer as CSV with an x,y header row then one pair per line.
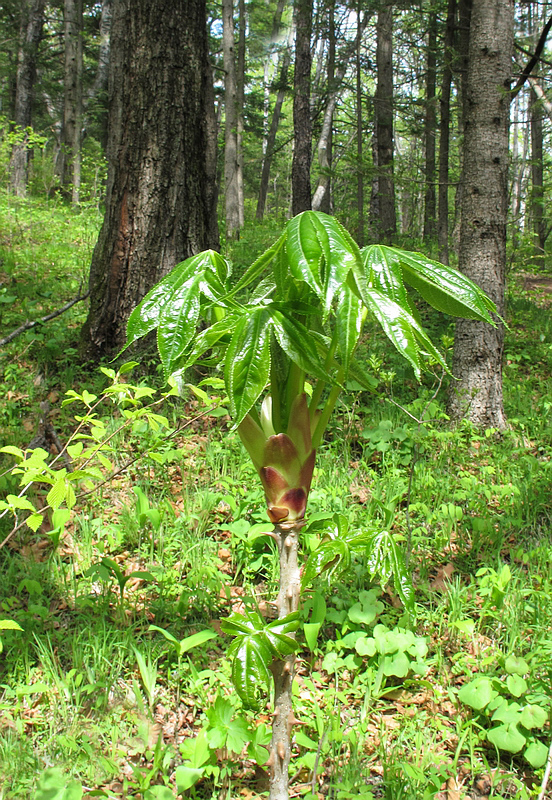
x,y
430,226
537,179
385,225
271,138
478,347
160,204
72,88
97,97
462,59
444,137
231,188
360,136
32,19
302,123
240,99
287,538
326,203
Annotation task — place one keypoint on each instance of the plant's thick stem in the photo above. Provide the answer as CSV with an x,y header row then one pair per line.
x,y
287,537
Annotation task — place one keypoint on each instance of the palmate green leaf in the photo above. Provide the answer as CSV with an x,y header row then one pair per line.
x,y
207,339
341,256
304,250
386,560
444,288
247,364
383,273
298,344
401,329
348,319
147,315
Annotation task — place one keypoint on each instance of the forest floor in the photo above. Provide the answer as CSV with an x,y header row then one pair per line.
x,y
450,702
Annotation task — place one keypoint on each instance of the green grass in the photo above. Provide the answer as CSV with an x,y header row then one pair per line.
x,y
472,509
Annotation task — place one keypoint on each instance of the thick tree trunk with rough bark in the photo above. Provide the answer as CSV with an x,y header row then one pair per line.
x,y
161,199
302,123
478,347
32,19
385,225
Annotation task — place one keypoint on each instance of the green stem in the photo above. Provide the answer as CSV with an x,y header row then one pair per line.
x,y
327,411
276,401
294,385
320,384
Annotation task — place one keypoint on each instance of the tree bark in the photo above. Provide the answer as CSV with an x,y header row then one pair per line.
x,y
478,347
430,226
69,155
32,20
240,99
360,137
537,178
232,203
287,539
161,199
302,123
271,138
97,97
444,137
385,225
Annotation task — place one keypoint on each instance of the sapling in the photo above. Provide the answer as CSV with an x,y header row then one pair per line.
x,y
292,322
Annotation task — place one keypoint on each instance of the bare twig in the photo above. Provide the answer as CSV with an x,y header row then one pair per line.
x,y
33,323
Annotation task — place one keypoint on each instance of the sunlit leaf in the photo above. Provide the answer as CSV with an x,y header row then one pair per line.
x,y
247,365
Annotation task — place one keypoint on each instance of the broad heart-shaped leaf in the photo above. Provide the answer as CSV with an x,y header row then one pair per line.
x,y
536,754
477,693
147,315
507,737
247,364
533,717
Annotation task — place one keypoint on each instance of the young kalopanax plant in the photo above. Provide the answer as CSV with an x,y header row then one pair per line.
x,y
295,315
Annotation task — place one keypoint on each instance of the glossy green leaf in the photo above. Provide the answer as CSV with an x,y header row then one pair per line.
x,y
348,319
250,670
254,272
304,251
383,273
247,364
444,288
402,329
178,324
298,344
